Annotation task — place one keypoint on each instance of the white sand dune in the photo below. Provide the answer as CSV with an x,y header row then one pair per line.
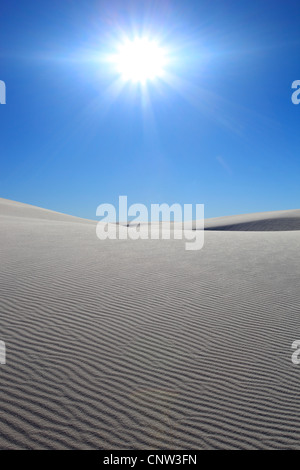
x,y
10,208
140,344
262,221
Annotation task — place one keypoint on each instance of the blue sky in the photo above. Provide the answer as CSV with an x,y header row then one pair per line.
x,y
222,132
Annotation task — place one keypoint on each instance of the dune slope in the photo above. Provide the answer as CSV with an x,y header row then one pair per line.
x,y
263,221
10,208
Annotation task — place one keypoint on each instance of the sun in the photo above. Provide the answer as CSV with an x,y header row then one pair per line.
x,y
140,60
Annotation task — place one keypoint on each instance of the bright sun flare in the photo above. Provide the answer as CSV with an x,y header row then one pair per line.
x,y
140,60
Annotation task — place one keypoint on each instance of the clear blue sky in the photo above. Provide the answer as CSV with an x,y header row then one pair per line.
x,y
224,132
